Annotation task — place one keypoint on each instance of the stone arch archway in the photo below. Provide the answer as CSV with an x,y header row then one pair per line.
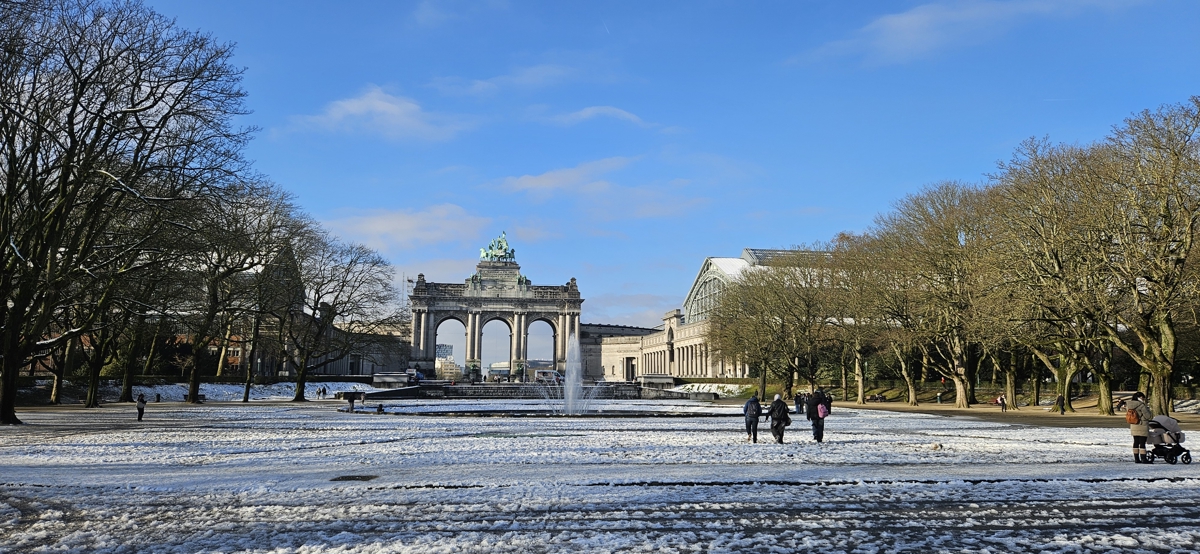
x,y
497,290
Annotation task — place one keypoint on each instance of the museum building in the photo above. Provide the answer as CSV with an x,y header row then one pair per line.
x,y
678,347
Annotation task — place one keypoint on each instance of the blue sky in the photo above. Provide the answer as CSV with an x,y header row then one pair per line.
x,y
622,142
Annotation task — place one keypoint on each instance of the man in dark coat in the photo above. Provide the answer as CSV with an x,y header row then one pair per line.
x,y
815,401
778,412
752,410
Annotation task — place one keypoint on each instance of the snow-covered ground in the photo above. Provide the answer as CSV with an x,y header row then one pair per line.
x,y
280,478
722,390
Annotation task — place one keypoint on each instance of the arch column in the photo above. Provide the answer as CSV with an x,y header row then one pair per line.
x,y
469,331
478,337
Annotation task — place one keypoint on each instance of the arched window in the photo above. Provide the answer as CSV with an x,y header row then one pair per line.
x,y
704,299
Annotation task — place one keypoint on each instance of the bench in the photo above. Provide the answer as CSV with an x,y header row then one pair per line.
x,y
200,397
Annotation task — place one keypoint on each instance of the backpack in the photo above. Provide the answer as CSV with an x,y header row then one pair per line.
x,y
822,410
1132,417
755,410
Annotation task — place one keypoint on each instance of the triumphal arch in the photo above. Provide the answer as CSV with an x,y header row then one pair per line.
x,y
497,290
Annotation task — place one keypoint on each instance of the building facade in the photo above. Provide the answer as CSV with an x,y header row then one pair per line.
x,y
678,347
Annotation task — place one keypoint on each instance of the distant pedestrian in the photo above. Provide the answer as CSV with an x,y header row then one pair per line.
x,y
752,410
799,403
778,412
141,406
350,396
1003,403
1060,404
939,397
819,406
1138,416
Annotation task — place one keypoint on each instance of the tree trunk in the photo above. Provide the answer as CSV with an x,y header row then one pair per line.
x,y
1010,381
1103,373
974,361
135,348
906,372
95,364
859,374
8,389
224,346
60,371
960,391
924,365
762,382
1035,379
250,359
960,366
1160,401
789,382
301,375
154,347
845,375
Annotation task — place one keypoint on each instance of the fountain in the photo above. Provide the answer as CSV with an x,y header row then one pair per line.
x,y
574,401
571,398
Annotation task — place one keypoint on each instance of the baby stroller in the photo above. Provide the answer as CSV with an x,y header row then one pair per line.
x,y
1166,437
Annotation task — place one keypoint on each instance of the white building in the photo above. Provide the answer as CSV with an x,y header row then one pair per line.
x,y
678,347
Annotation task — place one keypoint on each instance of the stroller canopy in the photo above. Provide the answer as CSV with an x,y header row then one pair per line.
x,y
1168,423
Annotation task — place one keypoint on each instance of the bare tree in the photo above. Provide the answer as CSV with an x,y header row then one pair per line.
x,y
933,237
349,303
1148,172
778,317
231,238
104,109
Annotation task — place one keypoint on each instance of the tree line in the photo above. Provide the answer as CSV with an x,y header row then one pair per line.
x,y
131,218
1069,260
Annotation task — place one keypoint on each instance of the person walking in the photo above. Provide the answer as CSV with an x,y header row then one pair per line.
x,y
141,406
752,410
1138,416
819,405
799,398
1060,404
1003,403
778,412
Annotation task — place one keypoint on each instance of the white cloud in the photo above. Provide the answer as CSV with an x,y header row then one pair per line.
x,y
599,111
395,117
584,176
602,200
927,28
532,77
391,231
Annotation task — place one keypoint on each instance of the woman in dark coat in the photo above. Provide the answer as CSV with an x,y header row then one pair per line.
x,y
815,401
778,412
1141,429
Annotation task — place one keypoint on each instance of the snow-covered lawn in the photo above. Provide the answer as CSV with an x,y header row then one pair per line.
x,y
722,390
265,478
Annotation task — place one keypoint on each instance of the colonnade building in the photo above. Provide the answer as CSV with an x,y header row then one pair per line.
x,y
678,347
